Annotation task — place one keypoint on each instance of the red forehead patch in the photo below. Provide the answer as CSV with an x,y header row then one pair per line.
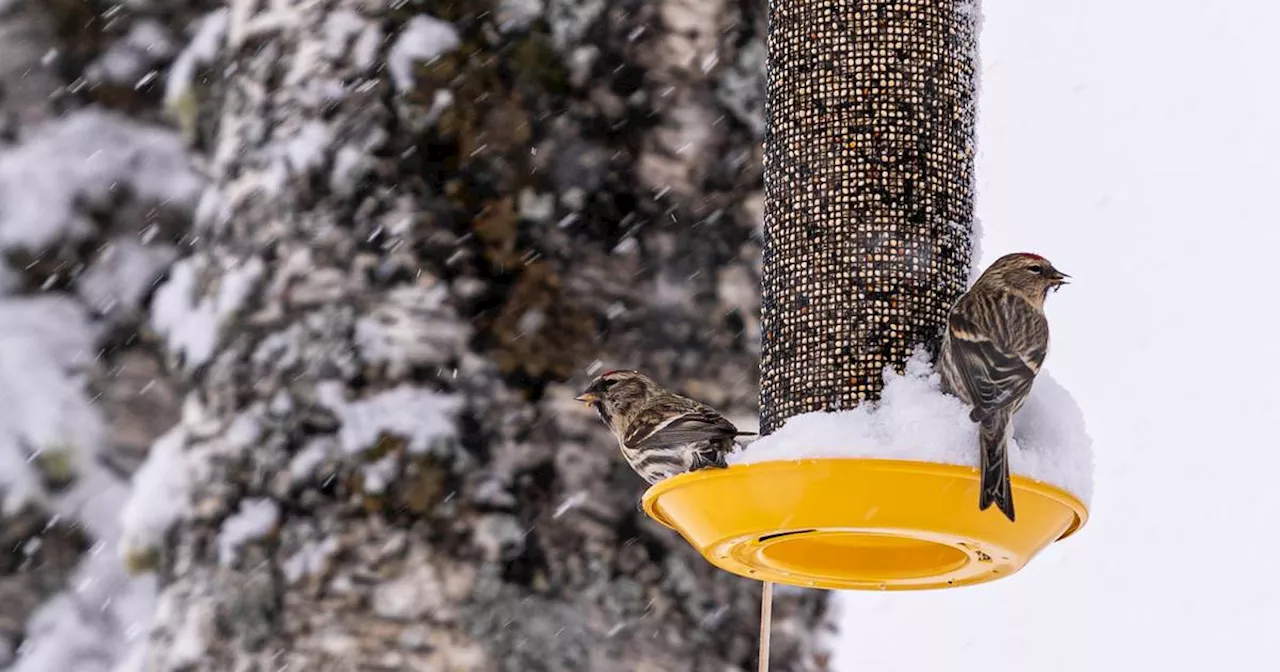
x,y
610,372
1030,255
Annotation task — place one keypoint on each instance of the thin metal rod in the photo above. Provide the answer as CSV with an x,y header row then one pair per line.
x,y
766,619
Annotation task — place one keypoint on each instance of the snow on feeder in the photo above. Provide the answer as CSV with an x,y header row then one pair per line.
x,y
865,476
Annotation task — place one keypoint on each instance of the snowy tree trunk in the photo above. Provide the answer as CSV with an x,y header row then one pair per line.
x,y
397,282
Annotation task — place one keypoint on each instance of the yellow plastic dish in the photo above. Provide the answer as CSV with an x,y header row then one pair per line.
x,y
860,524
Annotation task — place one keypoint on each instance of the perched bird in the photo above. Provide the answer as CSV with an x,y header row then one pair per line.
x,y
996,339
661,434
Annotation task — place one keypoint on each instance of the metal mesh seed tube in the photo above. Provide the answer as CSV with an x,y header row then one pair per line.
x,y
869,192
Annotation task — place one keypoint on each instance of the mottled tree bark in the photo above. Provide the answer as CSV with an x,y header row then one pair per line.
x,y
26,87
390,254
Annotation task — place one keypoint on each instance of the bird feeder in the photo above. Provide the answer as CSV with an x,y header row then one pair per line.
x,y
868,235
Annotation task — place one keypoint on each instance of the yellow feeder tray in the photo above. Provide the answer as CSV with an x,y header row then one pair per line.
x,y
863,524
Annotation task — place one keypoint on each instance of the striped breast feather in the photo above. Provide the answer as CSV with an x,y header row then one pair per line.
x,y
655,464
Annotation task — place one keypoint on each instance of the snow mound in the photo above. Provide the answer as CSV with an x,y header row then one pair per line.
x,y
419,416
44,413
423,40
87,157
191,323
122,274
161,478
209,33
49,426
255,520
516,15
915,420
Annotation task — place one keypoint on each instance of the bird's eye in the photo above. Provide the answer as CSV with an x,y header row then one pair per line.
x,y
1036,269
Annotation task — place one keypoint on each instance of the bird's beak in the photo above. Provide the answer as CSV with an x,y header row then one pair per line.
x,y
1059,278
587,398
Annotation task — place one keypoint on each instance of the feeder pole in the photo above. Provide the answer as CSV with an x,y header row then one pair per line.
x,y
766,621
868,172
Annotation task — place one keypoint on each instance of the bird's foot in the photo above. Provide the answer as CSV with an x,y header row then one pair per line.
x,y
701,461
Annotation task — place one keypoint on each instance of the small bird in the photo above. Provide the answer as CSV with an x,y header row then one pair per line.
x,y
996,339
661,433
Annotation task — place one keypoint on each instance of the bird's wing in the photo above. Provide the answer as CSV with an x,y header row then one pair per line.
x,y
677,422
994,374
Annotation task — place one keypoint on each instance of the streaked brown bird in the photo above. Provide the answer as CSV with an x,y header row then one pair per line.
x,y
661,433
996,339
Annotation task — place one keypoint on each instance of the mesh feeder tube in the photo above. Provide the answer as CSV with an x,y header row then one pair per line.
x,y
868,171
868,237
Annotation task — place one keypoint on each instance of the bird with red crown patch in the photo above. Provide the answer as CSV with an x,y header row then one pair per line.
x,y
995,342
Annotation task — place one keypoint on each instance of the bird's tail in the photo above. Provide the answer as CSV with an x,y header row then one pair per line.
x,y
993,437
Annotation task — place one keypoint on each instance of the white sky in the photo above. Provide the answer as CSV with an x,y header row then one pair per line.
x,y
1137,145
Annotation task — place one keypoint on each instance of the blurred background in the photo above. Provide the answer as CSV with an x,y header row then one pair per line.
x,y
295,296
1135,144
